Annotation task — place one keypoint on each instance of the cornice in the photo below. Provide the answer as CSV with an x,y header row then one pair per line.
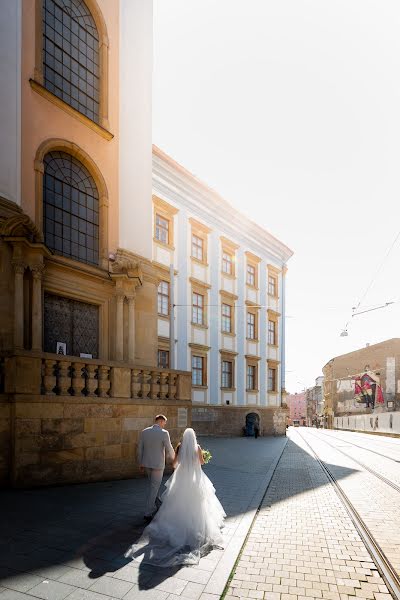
x,y
176,183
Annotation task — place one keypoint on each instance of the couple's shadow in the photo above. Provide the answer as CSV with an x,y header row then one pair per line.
x,y
104,554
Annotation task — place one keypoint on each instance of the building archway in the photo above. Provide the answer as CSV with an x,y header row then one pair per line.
x,y
252,419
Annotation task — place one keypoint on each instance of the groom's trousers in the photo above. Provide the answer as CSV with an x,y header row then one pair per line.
x,y
155,477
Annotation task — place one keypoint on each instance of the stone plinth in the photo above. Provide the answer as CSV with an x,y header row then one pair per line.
x,y
229,421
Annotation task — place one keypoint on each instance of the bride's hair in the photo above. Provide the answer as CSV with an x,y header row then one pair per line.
x,y
187,450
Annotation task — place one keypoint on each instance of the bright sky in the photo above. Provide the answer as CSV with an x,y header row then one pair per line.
x,y
290,109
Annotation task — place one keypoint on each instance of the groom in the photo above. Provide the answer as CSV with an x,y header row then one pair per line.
x,y
154,446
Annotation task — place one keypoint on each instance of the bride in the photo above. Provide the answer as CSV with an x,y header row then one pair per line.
x,y
189,521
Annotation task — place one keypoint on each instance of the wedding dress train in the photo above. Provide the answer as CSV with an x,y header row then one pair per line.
x,y
189,521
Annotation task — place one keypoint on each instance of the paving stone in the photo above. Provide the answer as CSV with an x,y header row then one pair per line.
x,y
51,590
110,586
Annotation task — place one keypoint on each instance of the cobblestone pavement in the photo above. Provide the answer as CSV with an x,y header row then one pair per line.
x,y
303,544
377,503
69,542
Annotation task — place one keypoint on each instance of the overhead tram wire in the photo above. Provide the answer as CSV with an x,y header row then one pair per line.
x,y
369,286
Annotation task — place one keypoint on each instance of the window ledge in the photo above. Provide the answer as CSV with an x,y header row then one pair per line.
x,y
273,296
199,387
199,325
228,333
163,244
204,263
273,345
228,275
42,91
252,391
164,317
254,340
225,389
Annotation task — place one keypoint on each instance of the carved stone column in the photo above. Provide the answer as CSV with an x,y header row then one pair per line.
x,y
119,334
37,326
131,327
19,270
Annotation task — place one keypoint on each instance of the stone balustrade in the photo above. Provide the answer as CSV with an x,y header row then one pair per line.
x,y
54,375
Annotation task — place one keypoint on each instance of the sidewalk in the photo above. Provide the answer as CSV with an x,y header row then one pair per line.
x,y
303,545
69,542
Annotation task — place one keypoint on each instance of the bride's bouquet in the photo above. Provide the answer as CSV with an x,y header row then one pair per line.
x,y
207,456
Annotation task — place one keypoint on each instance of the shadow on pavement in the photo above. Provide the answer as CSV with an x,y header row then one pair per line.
x,y
89,527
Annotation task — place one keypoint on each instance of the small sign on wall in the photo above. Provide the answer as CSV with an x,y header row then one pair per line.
x,y
61,348
182,417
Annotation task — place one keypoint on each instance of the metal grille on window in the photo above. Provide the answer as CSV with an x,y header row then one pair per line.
x,y
71,55
71,322
70,208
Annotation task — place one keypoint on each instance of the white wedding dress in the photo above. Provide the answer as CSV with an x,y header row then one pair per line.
x,y
189,521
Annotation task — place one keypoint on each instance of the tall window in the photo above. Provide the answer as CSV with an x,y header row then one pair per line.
x,y
272,285
227,263
251,326
162,229
272,380
227,374
226,324
197,247
163,298
197,309
198,377
251,377
251,275
70,208
272,332
71,55
163,359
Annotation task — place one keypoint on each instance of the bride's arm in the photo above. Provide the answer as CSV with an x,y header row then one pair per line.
x,y
201,459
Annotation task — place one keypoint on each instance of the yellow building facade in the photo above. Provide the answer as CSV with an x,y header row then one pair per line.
x,y
78,290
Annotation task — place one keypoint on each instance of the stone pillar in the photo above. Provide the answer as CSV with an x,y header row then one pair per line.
x,y
119,334
37,326
131,327
19,269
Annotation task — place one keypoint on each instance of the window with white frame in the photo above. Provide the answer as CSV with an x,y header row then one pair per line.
x,y
198,370
227,374
226,318
272,332
163,298
197,309
197,247
251,377
162,229
271,379
227,263
272,285
251,326
251,275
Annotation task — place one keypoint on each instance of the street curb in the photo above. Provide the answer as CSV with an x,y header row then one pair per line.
x,y
218,580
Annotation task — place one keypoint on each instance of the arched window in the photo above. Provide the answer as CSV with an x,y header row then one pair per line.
x,y
71,63
70,208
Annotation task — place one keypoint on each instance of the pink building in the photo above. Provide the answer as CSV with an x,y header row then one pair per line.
x,y
297,407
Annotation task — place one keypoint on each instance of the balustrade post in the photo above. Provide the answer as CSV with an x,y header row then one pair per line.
x,y
37,327
49,378
163,385
119,334
146,378
172,385
103,381
19,270
64,377
154,385
91,381
135,383
78,381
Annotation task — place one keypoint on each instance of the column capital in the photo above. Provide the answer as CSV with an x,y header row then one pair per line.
x,y
131,297
19,266
37,270
120,295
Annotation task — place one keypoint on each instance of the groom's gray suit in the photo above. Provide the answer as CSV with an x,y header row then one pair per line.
x,y
154,447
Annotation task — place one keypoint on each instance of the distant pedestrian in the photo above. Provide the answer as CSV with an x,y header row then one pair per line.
x,y
256,430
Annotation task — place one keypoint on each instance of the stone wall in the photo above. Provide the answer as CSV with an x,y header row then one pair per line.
x,y
5,440
66,420
229,421
64,440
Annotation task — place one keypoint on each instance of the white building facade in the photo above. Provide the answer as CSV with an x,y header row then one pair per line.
x,y
228,303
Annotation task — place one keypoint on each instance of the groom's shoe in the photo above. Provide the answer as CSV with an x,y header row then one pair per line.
x,y
148,518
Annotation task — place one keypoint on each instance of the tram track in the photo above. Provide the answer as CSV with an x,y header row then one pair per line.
x,y
367,449
393,485
383,564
